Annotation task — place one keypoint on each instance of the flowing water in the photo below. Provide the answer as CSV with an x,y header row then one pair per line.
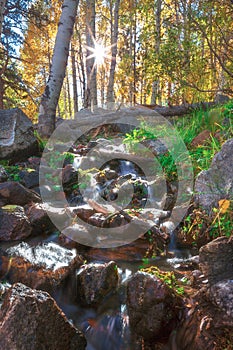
x,y
107,327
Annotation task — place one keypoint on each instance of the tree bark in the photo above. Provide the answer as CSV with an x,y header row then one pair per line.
x,y
74,79
155,84
2,10
91,88
114,38
49,101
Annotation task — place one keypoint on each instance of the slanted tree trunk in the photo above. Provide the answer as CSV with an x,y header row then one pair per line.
x,y
49,101
91,88
114,38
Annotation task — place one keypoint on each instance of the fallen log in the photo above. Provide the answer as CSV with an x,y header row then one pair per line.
x,y
172,111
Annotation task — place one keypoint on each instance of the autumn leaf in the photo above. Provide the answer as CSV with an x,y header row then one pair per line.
x,y
223,205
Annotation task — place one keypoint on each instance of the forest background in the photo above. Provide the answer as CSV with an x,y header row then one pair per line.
x,y
132,52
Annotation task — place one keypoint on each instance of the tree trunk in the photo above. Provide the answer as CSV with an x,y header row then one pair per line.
x,y
74,79
114,38
91,88
155,84
2,10
53,87
180,110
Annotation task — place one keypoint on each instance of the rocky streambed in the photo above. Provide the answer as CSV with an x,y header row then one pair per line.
x,y
58,293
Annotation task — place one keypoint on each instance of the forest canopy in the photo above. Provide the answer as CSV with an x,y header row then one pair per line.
x,y
136,51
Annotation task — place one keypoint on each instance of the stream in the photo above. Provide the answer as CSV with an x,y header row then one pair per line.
x,y
107,326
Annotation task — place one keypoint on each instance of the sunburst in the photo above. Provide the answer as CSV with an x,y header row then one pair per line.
x,y
100,53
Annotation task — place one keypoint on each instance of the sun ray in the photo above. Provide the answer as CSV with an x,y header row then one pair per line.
x,y
100,53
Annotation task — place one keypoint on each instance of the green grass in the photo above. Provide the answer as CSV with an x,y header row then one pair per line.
x,y
219,121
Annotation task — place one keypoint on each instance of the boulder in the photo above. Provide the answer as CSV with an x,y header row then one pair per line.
x,y
14,193
96,281
29,178
151,306
216,260
43,267
217,182
17,140
14,224
221,294
31,320
38,218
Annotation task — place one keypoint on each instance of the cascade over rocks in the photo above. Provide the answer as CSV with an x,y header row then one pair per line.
x,y
31,320
17,140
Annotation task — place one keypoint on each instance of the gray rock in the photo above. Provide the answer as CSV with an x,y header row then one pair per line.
x,y
3,174
216,260
220,98
151,306
17,140
31,320
96,281
29,178
14,224
221,294
156,146
217,182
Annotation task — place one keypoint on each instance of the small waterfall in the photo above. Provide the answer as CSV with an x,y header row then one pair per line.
x,y
127,167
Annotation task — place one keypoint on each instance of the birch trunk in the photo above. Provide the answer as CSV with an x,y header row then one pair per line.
x,y
49,101
114,38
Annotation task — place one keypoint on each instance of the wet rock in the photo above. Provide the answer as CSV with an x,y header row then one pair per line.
x,y
17,140
96,281
216,260
84,212
43,267
97,219
217,182
134,251
29,178
110,174
69,177
38,218
34,162
3,174
14,224
14,193
221,294
4,287
151,306
31,320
